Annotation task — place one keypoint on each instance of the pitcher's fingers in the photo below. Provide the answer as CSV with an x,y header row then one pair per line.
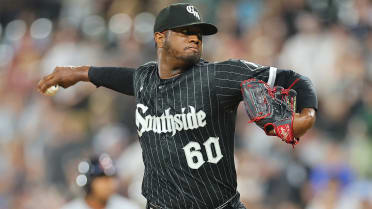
x,y
47,83
43,81
41,84
44,78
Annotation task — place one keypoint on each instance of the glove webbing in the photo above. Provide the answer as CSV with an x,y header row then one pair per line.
x,y
270,91
286,92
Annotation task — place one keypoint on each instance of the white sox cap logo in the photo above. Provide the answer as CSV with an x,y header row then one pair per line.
x,y
191,9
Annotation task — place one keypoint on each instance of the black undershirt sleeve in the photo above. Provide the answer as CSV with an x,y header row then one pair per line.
x,y
306,95
119,79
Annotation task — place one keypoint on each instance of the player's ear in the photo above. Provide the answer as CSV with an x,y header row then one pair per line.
x,y
159,39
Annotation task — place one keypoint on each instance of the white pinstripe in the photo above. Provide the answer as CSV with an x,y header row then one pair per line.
x,y
152,158
148,91
180,188
138,79
195,138
161,147
251,69
231,157
224,87
136,84
153,85
187,135
228,72
221,134
211,112
225,95
143,71
149,158
225,79
179,84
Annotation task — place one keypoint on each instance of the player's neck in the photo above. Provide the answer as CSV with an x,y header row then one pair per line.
x,y
169,67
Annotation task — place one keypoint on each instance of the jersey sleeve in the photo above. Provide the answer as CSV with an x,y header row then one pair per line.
x,y
119,79
230,74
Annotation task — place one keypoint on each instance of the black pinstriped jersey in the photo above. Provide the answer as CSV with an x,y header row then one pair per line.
x,y
186,127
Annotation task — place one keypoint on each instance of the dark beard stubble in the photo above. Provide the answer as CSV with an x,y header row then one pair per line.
x,y
188,60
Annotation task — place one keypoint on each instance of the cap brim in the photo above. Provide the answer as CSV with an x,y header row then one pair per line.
x,y
206,28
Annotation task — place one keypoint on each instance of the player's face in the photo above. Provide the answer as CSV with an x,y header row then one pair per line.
x,y
185,44
104,187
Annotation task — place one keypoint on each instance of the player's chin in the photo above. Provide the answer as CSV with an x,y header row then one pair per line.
x,y
192,59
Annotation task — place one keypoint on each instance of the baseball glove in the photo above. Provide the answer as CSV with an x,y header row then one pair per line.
x,y
272,109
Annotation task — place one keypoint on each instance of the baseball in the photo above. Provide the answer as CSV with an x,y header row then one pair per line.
x,y
51,91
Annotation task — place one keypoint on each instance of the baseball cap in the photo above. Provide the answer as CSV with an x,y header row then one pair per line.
x,y
181,15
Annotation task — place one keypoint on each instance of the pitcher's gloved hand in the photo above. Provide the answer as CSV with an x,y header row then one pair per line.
x,y
272,109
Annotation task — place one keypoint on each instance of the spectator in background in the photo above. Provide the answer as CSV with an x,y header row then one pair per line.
x,y
98,179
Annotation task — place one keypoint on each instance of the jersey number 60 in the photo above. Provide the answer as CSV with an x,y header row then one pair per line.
x,y
194,156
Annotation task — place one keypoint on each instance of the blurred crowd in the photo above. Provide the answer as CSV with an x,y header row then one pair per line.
x,y
42,139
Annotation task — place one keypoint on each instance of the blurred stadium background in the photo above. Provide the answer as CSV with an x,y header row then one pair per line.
x,y
42,139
